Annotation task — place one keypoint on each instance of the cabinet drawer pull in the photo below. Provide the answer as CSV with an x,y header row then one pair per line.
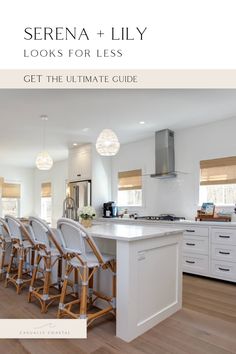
x,y
221,252
190,230
190,244
191,262
224,269
224,236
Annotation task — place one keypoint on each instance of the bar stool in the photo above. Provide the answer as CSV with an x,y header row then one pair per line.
x,y
84,258
49,251
5,244
22,252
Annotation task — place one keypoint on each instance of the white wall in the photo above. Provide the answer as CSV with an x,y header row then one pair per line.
x,y
101,181
179,195
24,176
57,176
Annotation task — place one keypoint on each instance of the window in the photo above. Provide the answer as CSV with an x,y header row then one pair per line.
x,y
218,181
46,202
130,188
11,194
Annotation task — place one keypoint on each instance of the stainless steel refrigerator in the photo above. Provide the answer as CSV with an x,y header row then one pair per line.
x,y
80,192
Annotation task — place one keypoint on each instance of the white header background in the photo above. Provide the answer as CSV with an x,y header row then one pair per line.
x,y
181,34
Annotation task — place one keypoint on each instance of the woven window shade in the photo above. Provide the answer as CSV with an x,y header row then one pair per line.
x,y
46,190
218,171
130,180
11,190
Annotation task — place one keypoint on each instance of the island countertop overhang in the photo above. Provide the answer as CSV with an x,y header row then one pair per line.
x,y
128,233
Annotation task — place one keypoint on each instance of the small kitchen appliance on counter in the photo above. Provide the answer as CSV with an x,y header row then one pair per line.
x,y
109,210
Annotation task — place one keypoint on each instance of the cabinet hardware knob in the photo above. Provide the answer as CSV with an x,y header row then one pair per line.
x,y
221,252
190,244
224,269
191,262
190,230
224,236
79,175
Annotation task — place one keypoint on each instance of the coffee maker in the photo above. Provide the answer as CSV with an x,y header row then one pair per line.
x,y
109,210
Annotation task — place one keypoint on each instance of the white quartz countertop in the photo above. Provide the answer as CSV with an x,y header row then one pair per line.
x,y
129,232
164,222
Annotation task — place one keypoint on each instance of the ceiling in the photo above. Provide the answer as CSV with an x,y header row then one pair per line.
x,y
80,115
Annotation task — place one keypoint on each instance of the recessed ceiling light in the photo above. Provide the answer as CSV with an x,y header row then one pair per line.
x,y
85,129
141,122
75,144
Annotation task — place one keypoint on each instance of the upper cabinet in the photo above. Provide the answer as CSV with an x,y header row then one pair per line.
x,y
80,163
85,163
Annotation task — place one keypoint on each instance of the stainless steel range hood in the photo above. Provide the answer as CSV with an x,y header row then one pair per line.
x,y
164,154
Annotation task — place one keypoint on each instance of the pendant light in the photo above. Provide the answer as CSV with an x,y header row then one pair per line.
x,y
107,143
44,160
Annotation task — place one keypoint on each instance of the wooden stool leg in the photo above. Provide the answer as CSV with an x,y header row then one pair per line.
x,y
84,292
47,280
2,261
20,270
32,260
59,273
90,290
76,281
34,275
63,292
13,252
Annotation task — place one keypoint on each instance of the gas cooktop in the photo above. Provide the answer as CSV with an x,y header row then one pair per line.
x,y
166,217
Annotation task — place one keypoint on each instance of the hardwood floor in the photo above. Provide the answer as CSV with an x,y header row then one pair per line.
x,y
205,325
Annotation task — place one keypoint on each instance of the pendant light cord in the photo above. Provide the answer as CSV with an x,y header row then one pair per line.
x,y
44,119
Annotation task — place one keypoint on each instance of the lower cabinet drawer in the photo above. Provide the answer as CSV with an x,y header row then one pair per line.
x,y
223,252
194,244
224,270
195,263
224,236
196,230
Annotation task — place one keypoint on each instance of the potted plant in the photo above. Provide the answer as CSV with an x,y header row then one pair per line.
x,y
86,214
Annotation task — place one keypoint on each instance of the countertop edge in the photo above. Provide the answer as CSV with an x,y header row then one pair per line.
x,y
137,238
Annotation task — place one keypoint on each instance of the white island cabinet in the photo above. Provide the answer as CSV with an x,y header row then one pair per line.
x,y
149,274
209,247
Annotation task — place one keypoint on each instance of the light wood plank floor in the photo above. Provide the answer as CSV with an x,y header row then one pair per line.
x,y
205,325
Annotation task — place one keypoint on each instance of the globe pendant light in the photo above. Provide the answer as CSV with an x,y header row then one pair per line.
x,y
44,160
107,143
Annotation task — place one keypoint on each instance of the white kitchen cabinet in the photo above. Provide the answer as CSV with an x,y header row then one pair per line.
x,y
195,263
223,252
223,270
226,236
80,163
195,244
210,250
196,250
196,231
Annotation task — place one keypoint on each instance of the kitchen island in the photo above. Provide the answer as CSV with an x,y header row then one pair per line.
x,y
149,273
